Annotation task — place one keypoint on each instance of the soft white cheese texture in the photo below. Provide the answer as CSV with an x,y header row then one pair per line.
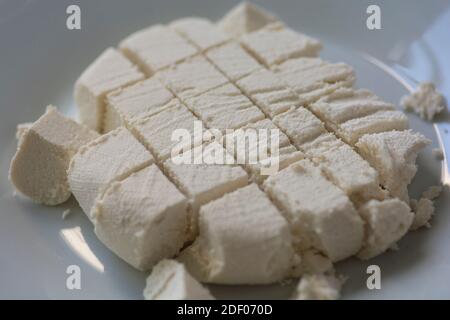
x,y
318,287
426,101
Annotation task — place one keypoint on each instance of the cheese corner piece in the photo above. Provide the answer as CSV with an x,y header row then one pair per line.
x,y
240,241
426,101
156,131
201,32
393,154
110,157
192,78
330,225
170,280
110,71
205,181
38,169
233,61
272,46
21,129
313,78
318,287
224,107
244,18
142,218
386,222
137,101
156,48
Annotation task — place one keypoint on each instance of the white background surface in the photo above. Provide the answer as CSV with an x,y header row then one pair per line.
x,y
40,60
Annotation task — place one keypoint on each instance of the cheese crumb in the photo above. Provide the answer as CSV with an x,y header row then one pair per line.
x,y
65,214
424,208
319,287
426,101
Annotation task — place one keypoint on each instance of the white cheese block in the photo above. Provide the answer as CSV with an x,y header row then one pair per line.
x,y
38,169
170,280
142,218
200,32
345,104
393,154
156,48
426,101
138,101
318,287
224,107
330,225
272,46
240,241
268,92
386,222
352,130
155,131
245,17
233,61
110,71
111,157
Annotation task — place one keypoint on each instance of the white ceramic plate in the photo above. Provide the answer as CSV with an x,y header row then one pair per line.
x,y
40,60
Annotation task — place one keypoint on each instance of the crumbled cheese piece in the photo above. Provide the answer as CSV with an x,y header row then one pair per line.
x,y
110,71
110,157
318,287
156,48
386,222
330,225
438,153
240,241
38,169
65,214
423,212
21,129
244,18
272,46
170,280
393,154
426,101
137,223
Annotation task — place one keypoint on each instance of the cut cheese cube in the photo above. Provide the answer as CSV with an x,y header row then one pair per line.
x,y
272,46
156,48
110,71
386,222
245,17
39,167
318,287
330,225
192,78
224,107
138,101
240,241
345,104
380,121
111,157
142,218
233,61
201,32
170,280
393,154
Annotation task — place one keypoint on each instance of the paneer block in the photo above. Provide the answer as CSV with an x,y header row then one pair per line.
x,y
380,121
201,32
156,48
138,101
111,157
39,168
156,131
192,78
313,78
245,17
330,225
233,61
110,71
393,154
224,107
240,241
318,287
272,46
345,104
268,92
170,280
142,218
386,222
